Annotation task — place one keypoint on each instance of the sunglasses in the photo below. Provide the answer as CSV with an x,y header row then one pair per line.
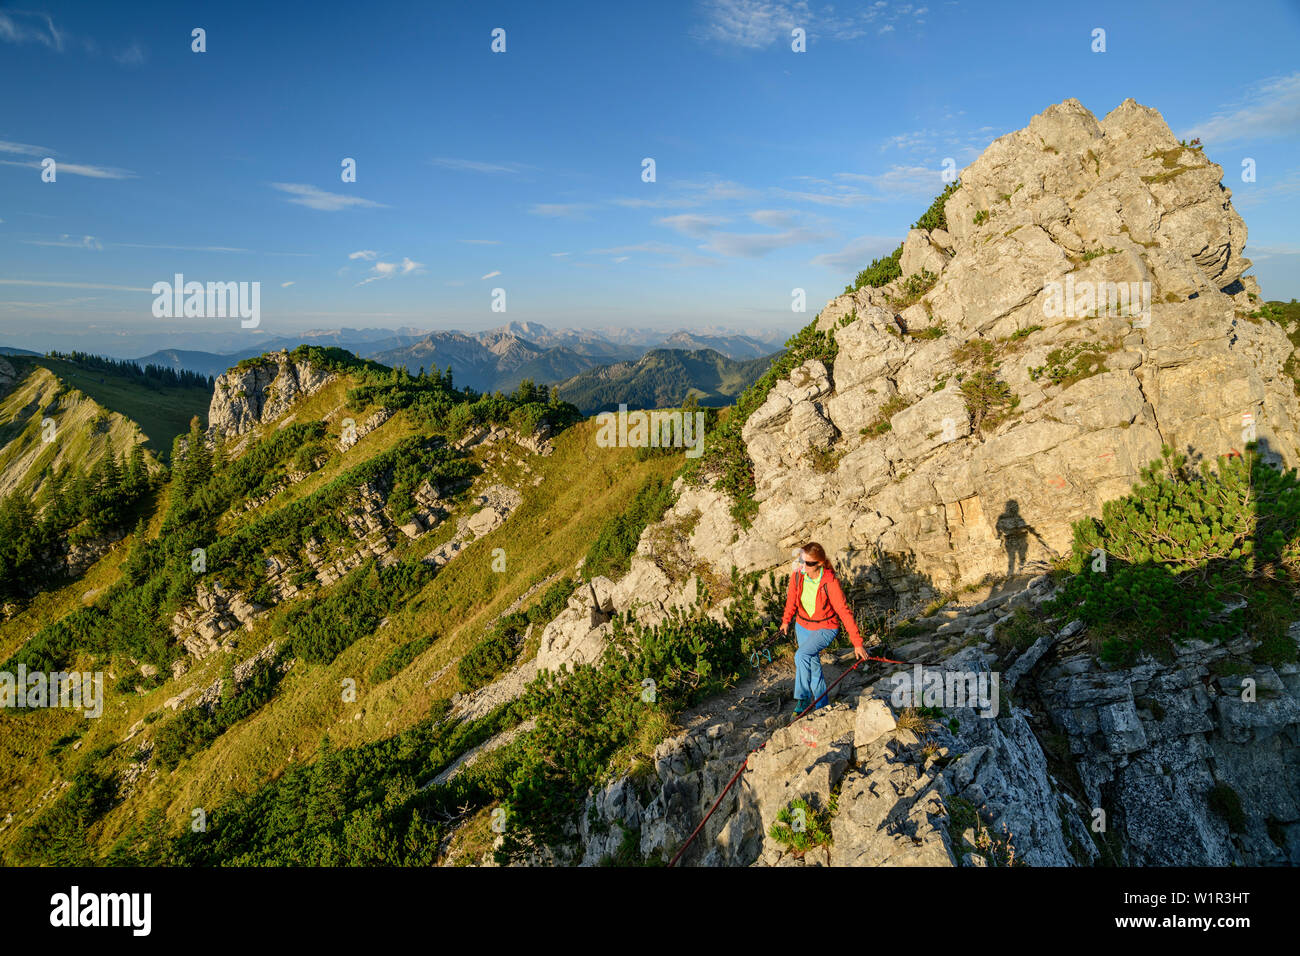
x,y
812,564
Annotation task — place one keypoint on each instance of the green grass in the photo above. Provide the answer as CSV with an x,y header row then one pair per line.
x,y
401,673
162,413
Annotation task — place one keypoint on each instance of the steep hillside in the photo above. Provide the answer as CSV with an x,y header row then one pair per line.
x,y
360,531
663,378
60,415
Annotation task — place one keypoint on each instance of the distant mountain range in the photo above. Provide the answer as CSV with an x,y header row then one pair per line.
x,y
495,359
662,378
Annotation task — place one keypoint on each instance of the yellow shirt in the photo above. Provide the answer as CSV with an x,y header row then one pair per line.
x,y
808,597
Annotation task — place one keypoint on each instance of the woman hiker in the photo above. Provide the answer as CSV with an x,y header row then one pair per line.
x,y
816,601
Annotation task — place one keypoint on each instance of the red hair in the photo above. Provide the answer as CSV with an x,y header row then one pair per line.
x,y
818,554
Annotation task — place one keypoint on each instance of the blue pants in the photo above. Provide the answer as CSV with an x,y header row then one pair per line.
x,y
809,682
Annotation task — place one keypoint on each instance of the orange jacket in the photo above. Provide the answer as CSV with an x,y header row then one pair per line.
x,y
830,605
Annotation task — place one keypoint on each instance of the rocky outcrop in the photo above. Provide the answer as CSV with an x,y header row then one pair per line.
x,y
1146,763
1165,750
892,792
891,451
495,504
260,390
1087,303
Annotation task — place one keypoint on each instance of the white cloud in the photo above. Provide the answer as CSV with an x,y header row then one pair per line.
x,y
72,285
757,24
366,254
621,258
555,254
773,218
681,257
753,245
18,26
23,149
683,195
477,166
150,245
131,56
926,181
69,242
1270,110
838,195
285,285
857,254
560,210
692,225
1267,190
390,270
492,274
313,198
94,172
480,242
77,169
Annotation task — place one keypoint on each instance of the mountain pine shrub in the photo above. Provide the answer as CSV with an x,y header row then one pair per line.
x,y
1209,552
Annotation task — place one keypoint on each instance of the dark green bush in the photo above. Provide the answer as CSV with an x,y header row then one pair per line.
x,y
611,553
1184,544
397,660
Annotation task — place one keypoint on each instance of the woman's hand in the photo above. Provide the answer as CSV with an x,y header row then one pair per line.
x,y
860,653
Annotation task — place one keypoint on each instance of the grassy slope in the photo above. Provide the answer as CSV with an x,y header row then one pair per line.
x,y
582,486
94,413
161,414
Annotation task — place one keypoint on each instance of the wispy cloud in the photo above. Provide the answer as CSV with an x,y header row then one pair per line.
x,y
691,224
34,27
23,149
76,169
68,242
366,255
678,255
72,285
923,181
285,285
757,24
1268,190
478,166
18,26
839,195
151,245
560,210
1270,110
962,146
131,56
480,242
684,195
491,275
754,245
313,198
391,270
858,253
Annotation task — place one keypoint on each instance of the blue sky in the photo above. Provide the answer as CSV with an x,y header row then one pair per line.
x,y
523,170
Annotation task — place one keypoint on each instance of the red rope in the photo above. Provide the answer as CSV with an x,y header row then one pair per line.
x,y
690,839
